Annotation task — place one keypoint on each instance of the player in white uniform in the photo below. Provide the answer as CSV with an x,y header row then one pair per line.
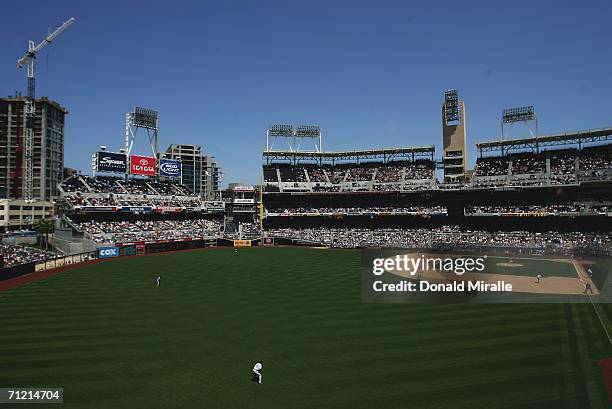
x,y
158,279
257,371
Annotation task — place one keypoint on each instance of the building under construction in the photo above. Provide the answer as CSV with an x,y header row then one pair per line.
x,y
47,152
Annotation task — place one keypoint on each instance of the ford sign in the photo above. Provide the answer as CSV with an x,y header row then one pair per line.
x,y
170,168
107,252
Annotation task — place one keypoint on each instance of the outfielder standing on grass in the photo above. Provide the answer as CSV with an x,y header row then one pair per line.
x,y
257,369
158,280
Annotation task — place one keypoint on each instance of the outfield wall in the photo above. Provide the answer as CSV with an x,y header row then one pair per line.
x,y
120,250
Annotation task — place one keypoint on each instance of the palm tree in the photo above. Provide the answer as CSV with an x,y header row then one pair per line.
x,y
45,226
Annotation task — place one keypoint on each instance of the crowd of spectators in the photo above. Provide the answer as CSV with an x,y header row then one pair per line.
x,y
131,231
316,174
292,174
172,201
131,200
528,163
112,191
377,172
245,231
564,179
578,208
450,237
491,166
419,169
556,167
530,169
102,184
563,162
14,255
596,158
390,173
74,184
357,210
109,184
337,175
534,179
269,174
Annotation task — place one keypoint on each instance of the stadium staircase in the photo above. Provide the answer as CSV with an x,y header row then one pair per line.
x,y
229,225
69,240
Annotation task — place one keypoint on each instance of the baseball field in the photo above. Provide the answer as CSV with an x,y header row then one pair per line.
x,y
113,339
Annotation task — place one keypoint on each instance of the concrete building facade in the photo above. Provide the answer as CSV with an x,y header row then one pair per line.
x,y
48,148
200,171
20,214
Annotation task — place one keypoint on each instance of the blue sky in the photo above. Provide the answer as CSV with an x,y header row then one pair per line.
x,y
370,73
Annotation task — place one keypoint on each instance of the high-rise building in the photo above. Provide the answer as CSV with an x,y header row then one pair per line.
x,y
200,171
48,147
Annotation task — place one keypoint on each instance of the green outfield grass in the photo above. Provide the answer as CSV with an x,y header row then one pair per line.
x,y
530,266
112,339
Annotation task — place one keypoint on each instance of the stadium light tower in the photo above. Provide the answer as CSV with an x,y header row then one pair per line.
x,y
309,132
30,110
452,109
277,131
454,137
524,114
294,136
141,118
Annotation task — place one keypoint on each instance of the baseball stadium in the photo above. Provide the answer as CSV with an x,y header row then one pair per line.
x,y
386,277
278,273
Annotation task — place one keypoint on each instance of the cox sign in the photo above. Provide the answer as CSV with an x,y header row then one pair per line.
x,y
142,165
170,168
106,252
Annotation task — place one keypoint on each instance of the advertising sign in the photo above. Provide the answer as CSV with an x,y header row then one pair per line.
x,y
170,168
242,243
142,165
111,162
137,209
243,188
107,252
168,209
99,208
129,250
244,201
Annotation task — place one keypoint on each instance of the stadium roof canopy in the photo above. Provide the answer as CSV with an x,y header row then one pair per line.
x,y
535,143
385,154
